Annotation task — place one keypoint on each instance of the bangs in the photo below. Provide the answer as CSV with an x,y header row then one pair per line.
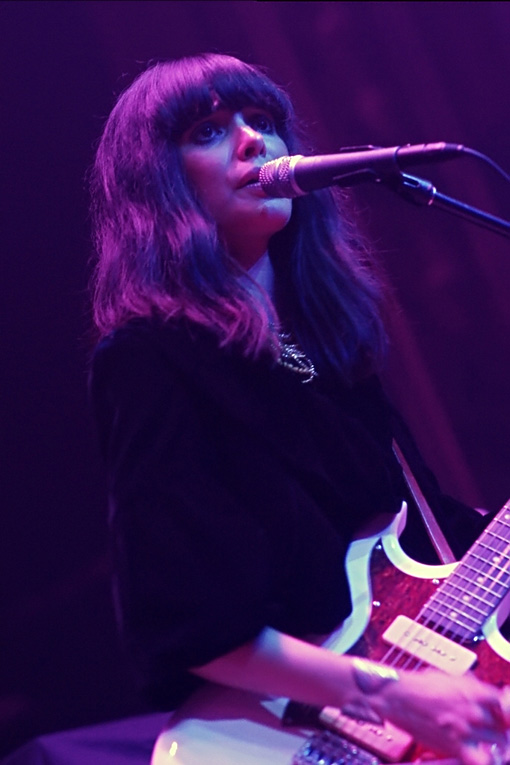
x,y
200,84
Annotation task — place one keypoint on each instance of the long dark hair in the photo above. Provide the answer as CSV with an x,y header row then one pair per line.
x,y
158,249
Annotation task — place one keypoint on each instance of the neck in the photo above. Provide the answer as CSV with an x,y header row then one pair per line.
x,y
262,272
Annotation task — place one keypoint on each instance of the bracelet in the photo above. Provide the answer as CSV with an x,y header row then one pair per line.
x,y
369,678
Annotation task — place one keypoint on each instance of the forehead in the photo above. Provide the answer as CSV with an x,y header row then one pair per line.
x,y
231,90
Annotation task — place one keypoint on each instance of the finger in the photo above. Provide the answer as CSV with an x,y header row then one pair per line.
x,y
497,714
489,736
475,753
504,700
489,716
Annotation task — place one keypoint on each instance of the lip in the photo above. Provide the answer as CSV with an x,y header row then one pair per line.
x,y
250,179
255,189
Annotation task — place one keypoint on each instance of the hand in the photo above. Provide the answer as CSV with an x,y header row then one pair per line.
x,y
456,716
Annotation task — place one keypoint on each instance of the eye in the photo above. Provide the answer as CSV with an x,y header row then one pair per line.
x,y
261,121
205,132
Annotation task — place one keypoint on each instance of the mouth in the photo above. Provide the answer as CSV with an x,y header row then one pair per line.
x,y
252,179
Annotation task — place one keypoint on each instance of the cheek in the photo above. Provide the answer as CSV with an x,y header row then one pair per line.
x,y
202,180
205,177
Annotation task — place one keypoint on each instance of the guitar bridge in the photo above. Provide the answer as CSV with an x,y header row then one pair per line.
x,y
330,749
385,741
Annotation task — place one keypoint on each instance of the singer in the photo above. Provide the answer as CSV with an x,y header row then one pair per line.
x,y
244,428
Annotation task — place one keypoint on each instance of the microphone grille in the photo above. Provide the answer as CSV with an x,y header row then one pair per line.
x,y
277,178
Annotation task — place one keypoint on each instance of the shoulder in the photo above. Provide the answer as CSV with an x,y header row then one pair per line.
x,y
139,381
148,341
146,354
138,334
139,358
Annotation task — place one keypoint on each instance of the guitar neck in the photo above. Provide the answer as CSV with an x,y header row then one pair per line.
x,y
464,602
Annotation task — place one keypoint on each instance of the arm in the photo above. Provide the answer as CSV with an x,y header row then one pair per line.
x,y
451,714
170,535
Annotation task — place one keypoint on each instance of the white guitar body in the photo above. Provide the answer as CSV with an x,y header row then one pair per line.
x,y
221,726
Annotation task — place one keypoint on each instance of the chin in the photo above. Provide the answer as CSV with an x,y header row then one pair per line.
x,y
277,214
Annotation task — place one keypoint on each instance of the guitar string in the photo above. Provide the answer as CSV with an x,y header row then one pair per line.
x,y
398,656
486,592
487,587
402,656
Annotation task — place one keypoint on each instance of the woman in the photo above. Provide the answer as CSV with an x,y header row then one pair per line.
x,y
245,432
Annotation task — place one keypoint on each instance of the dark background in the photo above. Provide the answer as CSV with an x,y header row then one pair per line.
x,y
364,72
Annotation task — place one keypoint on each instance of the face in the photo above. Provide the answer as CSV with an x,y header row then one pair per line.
x,y
222,155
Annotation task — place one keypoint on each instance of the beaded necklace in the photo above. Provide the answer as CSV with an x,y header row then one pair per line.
x,y
293,358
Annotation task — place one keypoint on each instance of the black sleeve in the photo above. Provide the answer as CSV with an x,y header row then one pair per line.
x,y
173,523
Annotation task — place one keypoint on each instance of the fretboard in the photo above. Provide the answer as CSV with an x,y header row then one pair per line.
x,y
463,603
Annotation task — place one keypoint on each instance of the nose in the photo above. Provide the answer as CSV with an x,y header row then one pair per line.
x,y
250,142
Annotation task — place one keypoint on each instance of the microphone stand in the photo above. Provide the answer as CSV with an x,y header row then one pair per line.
x,y
421,192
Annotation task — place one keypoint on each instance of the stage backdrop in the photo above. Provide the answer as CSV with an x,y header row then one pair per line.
x,y
379,73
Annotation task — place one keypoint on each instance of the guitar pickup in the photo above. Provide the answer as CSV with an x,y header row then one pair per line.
x,y
428,646
386,741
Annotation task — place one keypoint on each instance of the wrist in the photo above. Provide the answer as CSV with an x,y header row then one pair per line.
x,y
371,682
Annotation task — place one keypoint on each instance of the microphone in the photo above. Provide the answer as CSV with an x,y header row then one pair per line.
x,y
298,175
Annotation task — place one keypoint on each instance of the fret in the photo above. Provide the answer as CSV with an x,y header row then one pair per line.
x,y
491,554
482,577
490,561
491,528
462,603
453,617
484,607
491,533
496,529
480,584
472,592
494,532
476,614
504,520
490,565
468,608
449,610
495,550
501,520
457,632
481,555
494,588
500,542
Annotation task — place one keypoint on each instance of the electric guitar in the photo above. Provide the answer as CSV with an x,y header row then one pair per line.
x,y
448,617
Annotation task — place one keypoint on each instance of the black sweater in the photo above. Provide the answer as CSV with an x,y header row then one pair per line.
x,y
234,492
